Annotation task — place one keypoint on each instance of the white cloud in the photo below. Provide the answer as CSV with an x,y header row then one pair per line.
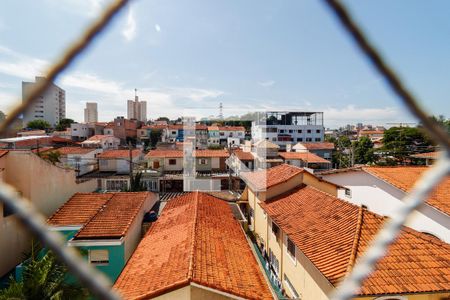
x,y
129,32
87,8
267,83
157,28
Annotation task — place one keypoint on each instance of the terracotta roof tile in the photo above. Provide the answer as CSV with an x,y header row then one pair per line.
x,y
333,234
165,153
211,153
3,152
98,137
432,155
73,150
404,178
115,216
232,128
179,153
119,154
264,179
318,145
305,156
244,155
196,239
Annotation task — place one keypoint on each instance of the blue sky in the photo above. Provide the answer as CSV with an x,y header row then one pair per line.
x,y
185,56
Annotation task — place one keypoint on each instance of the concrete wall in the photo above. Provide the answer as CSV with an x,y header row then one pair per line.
x,y
382,198
46,186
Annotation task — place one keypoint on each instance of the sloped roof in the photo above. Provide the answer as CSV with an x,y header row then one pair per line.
x,y
3,152
305,156
232,128
266,144
211,153
74,150
196,239
97,138
333,234
115,217
315,146
264,179
432,155
165,153
119,154
404,178
244,155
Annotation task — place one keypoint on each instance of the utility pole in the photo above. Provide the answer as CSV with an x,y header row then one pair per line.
x,y
130,155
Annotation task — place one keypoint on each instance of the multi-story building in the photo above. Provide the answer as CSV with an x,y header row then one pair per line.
x,y
90,112
80,131
283,128
50,106
137,109
125,129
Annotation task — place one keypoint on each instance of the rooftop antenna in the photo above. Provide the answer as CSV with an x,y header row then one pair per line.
x,y
135,94
220,111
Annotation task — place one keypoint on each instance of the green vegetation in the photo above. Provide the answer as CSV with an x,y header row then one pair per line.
x,y
155,136
39,124
363,151
64,124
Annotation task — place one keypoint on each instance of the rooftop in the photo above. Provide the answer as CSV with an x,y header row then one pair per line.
x,y
333,234
316,146
97,138
119,154
305,156
3,152
404,178
195,240
243,155
73,150
432,155
264,179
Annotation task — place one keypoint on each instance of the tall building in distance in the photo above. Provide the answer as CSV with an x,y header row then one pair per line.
x,y
137,109
50,106
91,112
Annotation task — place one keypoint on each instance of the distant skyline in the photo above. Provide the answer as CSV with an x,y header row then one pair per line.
x,y
185,57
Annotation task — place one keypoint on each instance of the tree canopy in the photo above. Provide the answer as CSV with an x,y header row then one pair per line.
x,y
64,124
39,124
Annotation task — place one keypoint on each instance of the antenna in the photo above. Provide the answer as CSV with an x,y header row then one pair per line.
x,y
220,111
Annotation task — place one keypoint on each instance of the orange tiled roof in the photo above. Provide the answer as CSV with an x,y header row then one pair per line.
x,y
333,234
264,179
244,155
74,150
119,154
232,128
196,239
3,152
115,217
433,155
305,156
404,178
165,153
211,153
98,137
79,209
318,145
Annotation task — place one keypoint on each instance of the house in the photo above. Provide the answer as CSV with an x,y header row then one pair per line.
x,y
107,226
125,129
382,189
82,159
195,250
80,131
311,240
428,157
373,135
305,160
45,185
323,149
231,135
266,154
26,142
119,160
213,136
173,133
104,142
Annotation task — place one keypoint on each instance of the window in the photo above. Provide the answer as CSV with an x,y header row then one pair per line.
x,y
281,130
308,131
274,262
299,131
172,161
299,139
291,131
326,155
275,229
274,139
309,139
348,193
156,164
318,131
291,248
99,257
291,288
318,139
174,132
202,161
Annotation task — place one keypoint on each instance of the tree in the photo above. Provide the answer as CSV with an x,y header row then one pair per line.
x,y
43,277
364,152
400,142
52,156
163,119
155,136
136,184
39,124
64,124
341,155
2,116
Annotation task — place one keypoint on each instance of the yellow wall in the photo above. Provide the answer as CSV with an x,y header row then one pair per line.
x,y
194,293
46,186
323,186
439,296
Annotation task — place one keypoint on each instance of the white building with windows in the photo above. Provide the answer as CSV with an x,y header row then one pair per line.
x,y
91,112
49,106
283,128
137,109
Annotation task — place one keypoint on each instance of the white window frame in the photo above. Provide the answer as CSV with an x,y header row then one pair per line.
x,y
291,256
202,161
291,288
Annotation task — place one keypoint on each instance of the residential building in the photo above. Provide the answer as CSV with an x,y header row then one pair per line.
x,y
49,106
305,160
26,142
373,135
173,133
284,128
118,161
83,160
45,185
105,142
382,190
231,135
107,227
80,131
428,157
323,149
266,154
31,133
309,240
213,136
137,109
195,250
91,112
125,129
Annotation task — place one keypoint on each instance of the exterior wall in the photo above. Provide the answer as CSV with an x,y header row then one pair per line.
x,y
177,167
116,259
326,187
90,112
85,163
206,294
382,198
215,163
206,167
79,131
183,293
438,296
46,186
260,132
107,165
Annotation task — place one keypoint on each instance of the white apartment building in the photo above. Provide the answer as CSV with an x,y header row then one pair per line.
x,y
137,109
91,112
79,131
283,128
50,106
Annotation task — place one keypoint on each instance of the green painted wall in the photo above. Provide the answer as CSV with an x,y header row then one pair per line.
x,y
200,167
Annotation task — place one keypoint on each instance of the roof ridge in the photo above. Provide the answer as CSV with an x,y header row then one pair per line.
x,y
194,231
424,236
356,239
